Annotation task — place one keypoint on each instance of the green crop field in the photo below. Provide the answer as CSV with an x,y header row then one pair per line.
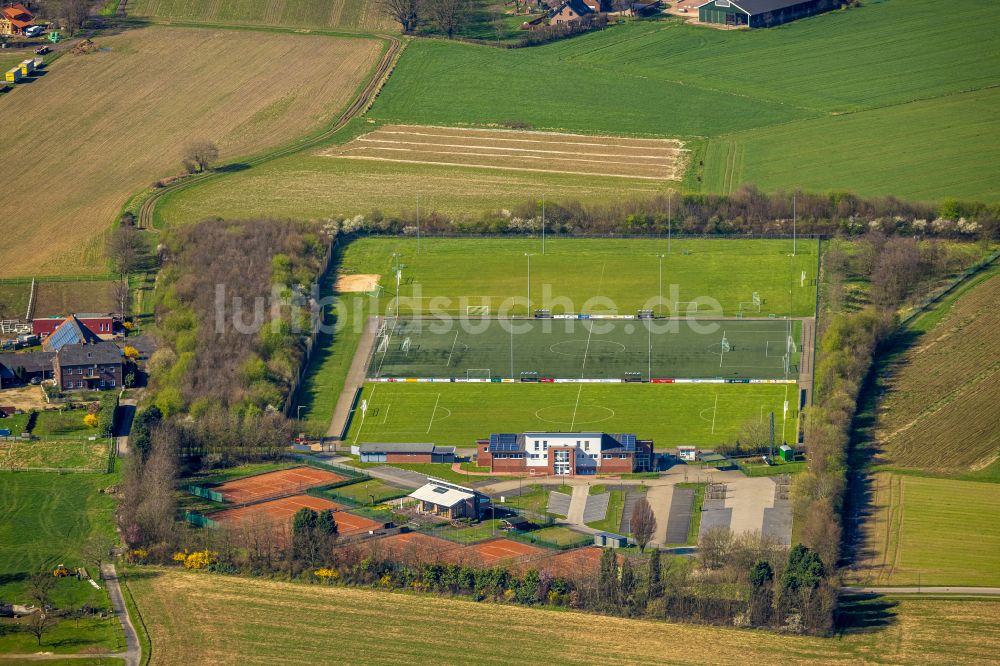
x,y
589,349
932,532
193,618
926,150
354,15
670,414
780,106
591,275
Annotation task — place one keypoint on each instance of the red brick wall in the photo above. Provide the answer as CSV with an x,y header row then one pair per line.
x,y
615,465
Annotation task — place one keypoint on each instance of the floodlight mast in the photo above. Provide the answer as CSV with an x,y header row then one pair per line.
x,y
670,194
543,223
793,223
660,303
528,255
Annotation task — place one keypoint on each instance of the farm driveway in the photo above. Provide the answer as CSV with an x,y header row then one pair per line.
x,y
132,649
659,498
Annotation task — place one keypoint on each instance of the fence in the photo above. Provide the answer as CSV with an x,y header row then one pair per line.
x,y
206,493
947,289
310,344
199,520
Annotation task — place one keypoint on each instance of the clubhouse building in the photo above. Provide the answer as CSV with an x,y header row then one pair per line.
x,y
564,453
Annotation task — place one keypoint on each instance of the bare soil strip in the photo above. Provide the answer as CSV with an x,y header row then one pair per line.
x,y
648,159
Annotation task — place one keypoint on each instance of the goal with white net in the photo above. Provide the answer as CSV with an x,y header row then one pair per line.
x,y
478,373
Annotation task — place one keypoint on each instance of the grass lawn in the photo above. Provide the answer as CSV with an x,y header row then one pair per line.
x,y
62,454
437,470
13,297
190,619
62,423
486,529
360,493
44,521
932,532
558,537
670,414
534,499
590,275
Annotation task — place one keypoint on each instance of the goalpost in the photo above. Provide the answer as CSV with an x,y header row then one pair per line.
x,y
754,302
478,373
405,347
791,348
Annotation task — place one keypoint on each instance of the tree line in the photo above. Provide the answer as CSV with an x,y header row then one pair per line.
x,y
743,580
743,212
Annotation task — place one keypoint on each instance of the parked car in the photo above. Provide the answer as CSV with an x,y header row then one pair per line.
x,y
34,31
42,50
35,381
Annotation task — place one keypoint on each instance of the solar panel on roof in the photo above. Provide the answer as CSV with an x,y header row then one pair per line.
x,y
440,490
628,442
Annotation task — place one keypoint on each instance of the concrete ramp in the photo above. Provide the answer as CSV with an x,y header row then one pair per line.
x,y
596,508
679,520
558,503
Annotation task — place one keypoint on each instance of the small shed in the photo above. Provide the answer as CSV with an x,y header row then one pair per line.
x,y
448,500
786,453
687,453
610,540
516,523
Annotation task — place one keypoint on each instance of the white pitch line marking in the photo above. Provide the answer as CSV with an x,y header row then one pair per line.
x,y
433,411
575,407
715,410
448,364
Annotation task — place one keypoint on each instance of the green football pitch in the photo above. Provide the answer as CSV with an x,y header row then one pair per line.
x,y
707,277
670,414
587,349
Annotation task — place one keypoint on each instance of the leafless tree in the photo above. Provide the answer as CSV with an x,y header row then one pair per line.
x,y
199,155
126,249
643,523
38,623
714,546
448,15
72,13
96,550
405,12
497,22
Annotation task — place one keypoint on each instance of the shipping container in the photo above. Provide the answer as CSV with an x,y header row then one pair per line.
x,y
13,75
39,61
27,67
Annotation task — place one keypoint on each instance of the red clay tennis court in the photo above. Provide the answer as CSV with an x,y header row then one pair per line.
x,y
417,547
491,552
276,510
281,511
274,484
570,562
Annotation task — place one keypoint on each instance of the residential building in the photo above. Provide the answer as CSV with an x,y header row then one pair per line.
x,y
405,453
17,369
101,325
15,19
448,500
571,10
92,366
564,453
